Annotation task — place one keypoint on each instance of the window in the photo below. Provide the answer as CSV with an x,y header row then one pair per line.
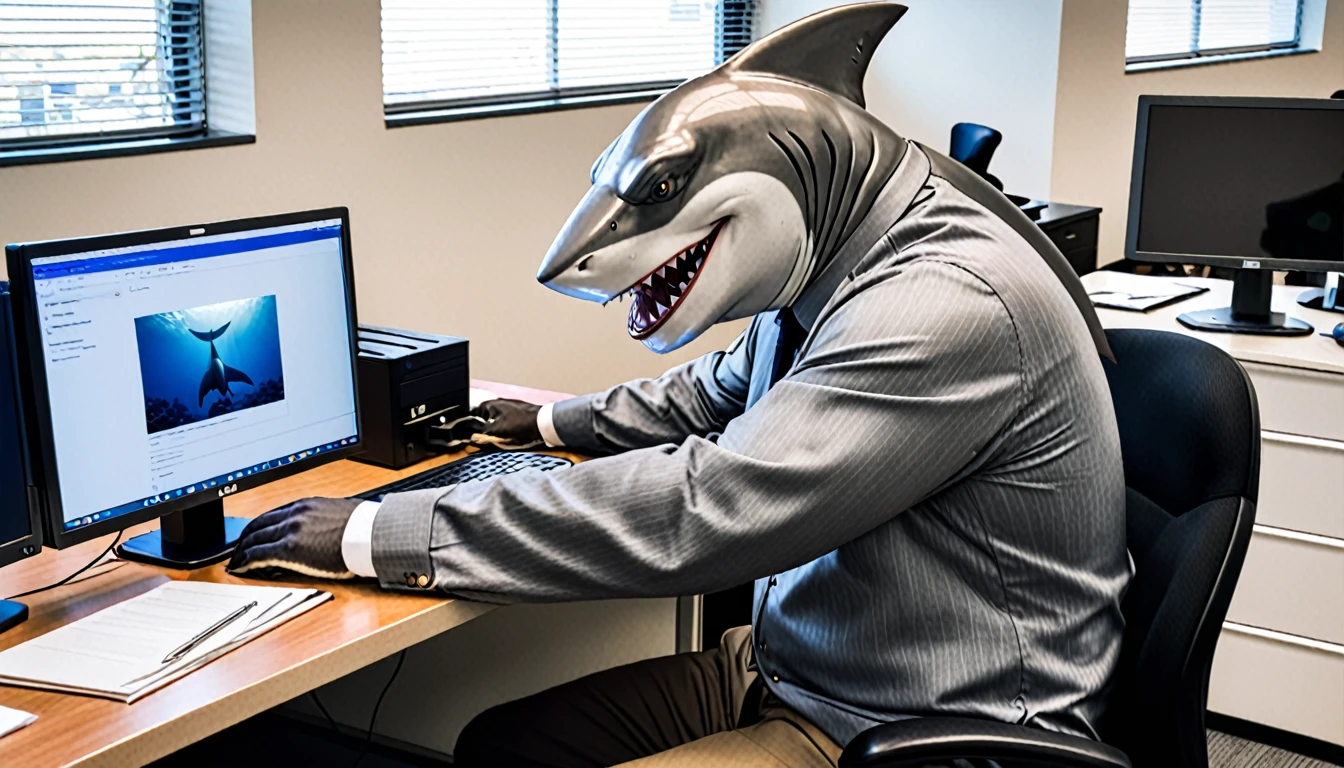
x,y
493,56
93,71
1161,30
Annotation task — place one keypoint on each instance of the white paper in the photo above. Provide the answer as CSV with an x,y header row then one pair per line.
x,y
1122,290
118,652
12,720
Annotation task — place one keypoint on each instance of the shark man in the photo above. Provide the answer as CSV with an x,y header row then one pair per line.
x,y
911,452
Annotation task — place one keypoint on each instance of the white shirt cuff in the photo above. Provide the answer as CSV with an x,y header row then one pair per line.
x,y
547,427
357,542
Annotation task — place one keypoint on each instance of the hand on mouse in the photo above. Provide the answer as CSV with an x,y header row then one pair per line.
x,y
509,424
303,538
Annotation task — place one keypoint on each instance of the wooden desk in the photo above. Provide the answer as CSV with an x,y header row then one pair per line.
x,y
360,626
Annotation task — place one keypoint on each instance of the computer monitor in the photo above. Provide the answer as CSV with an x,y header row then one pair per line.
x,y
1254,184
20,527
171,368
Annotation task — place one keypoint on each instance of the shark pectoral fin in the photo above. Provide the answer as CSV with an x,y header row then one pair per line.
x,y
207,384
233,374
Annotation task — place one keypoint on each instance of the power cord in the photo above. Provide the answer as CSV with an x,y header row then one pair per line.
x,y
325,713
67,579
373,721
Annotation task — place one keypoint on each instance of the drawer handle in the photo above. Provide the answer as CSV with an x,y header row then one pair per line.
x,y
1070,235
1283,637
1305,538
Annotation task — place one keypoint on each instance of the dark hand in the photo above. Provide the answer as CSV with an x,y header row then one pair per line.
x,y
510,424
304,538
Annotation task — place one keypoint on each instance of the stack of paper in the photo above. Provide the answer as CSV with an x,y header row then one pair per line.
x,y
136,647
1137,293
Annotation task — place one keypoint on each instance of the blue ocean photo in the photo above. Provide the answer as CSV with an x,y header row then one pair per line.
x,y
208,361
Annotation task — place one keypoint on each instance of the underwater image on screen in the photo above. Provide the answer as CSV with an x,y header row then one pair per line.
x,y
200,363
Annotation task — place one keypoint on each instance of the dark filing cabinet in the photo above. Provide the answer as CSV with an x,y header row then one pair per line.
x,y
1073,229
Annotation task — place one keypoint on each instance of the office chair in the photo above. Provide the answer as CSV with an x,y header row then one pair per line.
x,y
1190,442
973,146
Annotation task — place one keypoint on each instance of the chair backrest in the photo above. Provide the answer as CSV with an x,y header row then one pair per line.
x,y
1190,439
973,146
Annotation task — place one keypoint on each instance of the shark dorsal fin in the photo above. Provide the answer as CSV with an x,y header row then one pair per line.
x,y
829,50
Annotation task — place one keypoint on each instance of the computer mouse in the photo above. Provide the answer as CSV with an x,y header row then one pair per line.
x,y
1337,334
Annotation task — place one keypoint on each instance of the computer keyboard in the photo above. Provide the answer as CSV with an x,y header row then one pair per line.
x,y
476,467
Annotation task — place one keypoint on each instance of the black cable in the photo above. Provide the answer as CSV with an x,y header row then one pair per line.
x,y
67,579
325,713
373,721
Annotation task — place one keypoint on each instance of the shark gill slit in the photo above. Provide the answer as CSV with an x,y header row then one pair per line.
x,y
816,213
797,169
834,196
850,223
873,162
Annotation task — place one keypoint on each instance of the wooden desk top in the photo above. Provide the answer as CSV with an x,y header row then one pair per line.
x,y
360,626
1311,352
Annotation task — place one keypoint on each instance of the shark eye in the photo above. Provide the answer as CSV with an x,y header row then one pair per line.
x,y
662,190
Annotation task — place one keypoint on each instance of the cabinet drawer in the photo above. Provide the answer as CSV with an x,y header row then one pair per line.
x,y
1299,402
1074,234
1083,260
1292,583
1301,484
1280,684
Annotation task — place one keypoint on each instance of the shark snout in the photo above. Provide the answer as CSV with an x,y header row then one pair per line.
x,y
593,225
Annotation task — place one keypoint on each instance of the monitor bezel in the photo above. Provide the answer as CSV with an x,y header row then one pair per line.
x,y
29,544
45,471
1146,103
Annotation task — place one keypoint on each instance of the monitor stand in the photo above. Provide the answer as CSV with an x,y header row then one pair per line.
x,y
192,538
12,614
1250,311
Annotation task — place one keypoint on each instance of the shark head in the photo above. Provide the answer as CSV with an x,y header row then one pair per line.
x,y
728,194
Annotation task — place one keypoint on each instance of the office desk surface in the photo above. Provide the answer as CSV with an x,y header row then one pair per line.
x,y
361,625
1311,352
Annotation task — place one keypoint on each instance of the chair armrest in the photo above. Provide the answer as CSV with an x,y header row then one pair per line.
x,y
923,740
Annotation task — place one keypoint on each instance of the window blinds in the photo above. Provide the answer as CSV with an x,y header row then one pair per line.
x,y
447,53
74,72
1176,29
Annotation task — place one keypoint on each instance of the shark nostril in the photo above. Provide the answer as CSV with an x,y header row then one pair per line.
x,y
583,263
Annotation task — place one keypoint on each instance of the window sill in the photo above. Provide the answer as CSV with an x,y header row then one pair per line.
x,y
121,148
1224,58
479,111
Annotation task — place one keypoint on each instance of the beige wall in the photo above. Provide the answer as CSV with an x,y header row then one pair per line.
x,y
1097,102
450,221
950,61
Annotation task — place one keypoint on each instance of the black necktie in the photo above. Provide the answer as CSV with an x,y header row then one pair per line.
x,y
790,338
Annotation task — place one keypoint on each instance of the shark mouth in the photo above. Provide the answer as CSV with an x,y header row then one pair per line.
x,y
660,292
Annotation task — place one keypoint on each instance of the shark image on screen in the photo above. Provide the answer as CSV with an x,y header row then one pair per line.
x,y
209,361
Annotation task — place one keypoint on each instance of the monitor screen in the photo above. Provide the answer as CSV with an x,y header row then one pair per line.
x,y
16,524
1244,182
176,368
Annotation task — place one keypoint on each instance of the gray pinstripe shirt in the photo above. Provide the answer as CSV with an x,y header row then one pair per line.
x,y
930,502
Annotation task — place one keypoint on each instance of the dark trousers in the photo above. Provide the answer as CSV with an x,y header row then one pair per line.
x,y
691,709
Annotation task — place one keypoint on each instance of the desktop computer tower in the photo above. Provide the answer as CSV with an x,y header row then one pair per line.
x,y
408,381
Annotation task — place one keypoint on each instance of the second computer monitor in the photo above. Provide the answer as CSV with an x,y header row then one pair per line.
x,y
170,369
1254,184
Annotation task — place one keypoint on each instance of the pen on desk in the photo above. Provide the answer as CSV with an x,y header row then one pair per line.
x,y
207,633
272,607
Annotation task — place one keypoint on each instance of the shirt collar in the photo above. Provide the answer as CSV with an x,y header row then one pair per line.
x,y
891,204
